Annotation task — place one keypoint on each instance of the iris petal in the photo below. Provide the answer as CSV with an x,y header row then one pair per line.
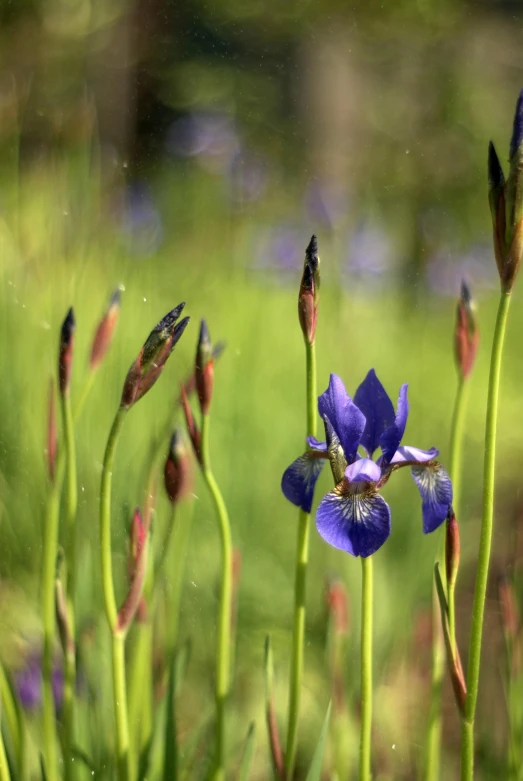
x,y
363,470
407,454
346,419
392,436
316,444
372,399
354,521
435,488
299,479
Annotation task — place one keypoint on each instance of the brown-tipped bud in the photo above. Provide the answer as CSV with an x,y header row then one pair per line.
x,y
192,428
65,354
61,610
466,334
177,470
152,358
509,608
137,572
453,658
309,294
51,449
190,383
105,332
204,369
338,606
452,548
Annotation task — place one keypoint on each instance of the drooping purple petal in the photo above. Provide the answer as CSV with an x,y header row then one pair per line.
x,y
363,470
354,521
346,419
372,399
392,436
299,479
316,444
406,454
435,488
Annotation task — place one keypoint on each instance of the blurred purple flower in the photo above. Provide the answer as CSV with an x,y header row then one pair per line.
x,y
445,269
28,683
280,250
142,224
370,253
210,137
326,203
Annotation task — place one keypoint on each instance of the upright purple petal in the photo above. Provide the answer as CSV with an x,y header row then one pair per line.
x,y
392,436
363,470
435,488
356,520
372,399
346,419
300,477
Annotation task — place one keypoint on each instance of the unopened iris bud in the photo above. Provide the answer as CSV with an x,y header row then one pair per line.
x,y
105,331
65,357
338,605
152,358
177,470
452,548
137,571
52,434
192,428
309,294
204,369
466,335
506,204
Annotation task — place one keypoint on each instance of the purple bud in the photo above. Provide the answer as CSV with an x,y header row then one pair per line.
x,y
517,128
65,356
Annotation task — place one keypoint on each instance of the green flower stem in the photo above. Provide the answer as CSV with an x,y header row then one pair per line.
x,y
49,620
223,650
118,639
478,609
366,668
14,718
300,581
71,509
438,649
4,767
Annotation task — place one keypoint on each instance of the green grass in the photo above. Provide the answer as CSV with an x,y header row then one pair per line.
x,y
257,429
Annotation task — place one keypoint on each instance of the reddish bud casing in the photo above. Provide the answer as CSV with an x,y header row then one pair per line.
x,y
204,369
308,297
105,332
177,470
466,335
137,572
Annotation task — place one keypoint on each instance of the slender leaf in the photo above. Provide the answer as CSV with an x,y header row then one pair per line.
x,y
248,753
170,760
270,714
314,773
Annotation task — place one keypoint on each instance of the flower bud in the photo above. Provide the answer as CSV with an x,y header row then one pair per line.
x,y
137,572
65,356
105,331
309,294
192,428
204,369
152,358
52,433
338,606
466,335
452,548
455,667
506,204
177,470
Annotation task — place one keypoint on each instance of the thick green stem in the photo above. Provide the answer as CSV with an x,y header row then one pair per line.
x,y
300,582
118,639
366,668
223,650
49,621
70,661
480,590
433,759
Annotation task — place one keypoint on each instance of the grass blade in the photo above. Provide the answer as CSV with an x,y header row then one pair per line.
x,y
314,773
248,753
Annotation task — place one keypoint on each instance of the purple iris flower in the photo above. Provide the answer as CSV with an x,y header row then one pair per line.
x,y
354,516
28,682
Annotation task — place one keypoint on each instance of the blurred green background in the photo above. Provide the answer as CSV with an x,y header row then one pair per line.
x,y
187,151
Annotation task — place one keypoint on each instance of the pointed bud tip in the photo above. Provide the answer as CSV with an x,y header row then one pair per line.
x,y
204,337
167,322
517,128
68,326
496,177
116,298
